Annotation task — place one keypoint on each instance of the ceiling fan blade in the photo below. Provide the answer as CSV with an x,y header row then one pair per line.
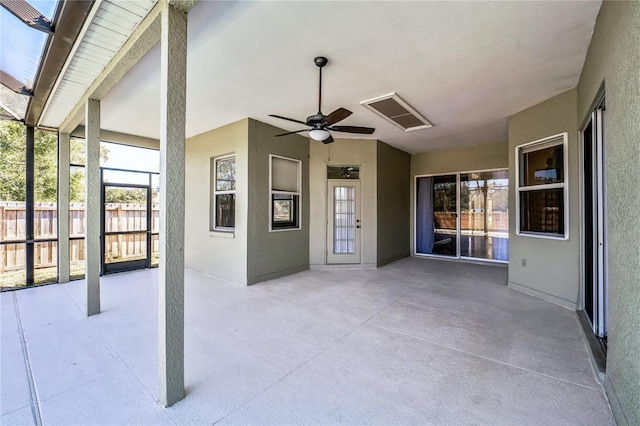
x,y
288,119
353,129
290,133
328,140
337,115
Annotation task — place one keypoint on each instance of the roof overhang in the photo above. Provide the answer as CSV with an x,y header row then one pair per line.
x,y
70,17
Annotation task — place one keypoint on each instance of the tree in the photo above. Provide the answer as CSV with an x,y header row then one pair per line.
x,y
13,164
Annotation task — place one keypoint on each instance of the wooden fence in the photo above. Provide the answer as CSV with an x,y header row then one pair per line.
x,y
119,217
497,221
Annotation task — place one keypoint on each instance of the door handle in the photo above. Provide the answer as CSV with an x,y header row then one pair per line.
x,y
358,226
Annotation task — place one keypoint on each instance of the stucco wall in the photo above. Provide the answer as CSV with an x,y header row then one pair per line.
x,y
470,158
218,254
546,268
454,160
274,254
343,152
394,202
614,59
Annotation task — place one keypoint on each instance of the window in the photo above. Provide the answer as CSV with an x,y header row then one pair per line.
x,y
542,190
223,203
285,192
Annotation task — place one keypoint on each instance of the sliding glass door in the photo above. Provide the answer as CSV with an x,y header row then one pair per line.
x,y
484,215
436,218
463,215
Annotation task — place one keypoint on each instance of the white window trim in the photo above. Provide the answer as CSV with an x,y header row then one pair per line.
x,y
534,146
213,229
272,192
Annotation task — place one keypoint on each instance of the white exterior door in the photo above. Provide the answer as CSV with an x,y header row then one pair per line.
x,y
343,225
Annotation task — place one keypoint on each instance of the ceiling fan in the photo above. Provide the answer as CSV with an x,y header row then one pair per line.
x,y
321,124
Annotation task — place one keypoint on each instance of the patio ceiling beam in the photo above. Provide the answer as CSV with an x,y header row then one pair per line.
x,y
121,138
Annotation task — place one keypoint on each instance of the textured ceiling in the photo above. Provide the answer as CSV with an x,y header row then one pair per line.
x,y
465,66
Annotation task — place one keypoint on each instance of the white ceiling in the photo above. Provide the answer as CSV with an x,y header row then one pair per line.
x,y
465,66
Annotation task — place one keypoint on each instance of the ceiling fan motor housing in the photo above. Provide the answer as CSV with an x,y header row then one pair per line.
x,y
315,120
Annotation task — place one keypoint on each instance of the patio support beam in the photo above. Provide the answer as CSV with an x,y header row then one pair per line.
x,y
92,200
173,71
64,141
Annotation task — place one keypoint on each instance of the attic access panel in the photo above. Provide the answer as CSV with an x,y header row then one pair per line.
x,y
395,110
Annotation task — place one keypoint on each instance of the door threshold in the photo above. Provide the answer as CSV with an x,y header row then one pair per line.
x,y
594,344
343,266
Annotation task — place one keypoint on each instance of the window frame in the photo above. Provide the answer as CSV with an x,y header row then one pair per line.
x,y
560,139
215,192
296,196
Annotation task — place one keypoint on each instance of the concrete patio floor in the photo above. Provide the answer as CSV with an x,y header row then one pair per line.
x,y
419,341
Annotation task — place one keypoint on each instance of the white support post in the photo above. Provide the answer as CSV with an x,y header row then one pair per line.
x,y
173,71
92,206
64,141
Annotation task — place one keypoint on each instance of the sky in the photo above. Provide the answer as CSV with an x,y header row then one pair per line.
x,y
21,46
130,158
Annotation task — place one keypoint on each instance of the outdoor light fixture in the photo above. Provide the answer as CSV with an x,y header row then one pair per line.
x,y
319,134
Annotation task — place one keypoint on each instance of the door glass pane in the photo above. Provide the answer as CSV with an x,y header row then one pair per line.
x,y
484,215
436,222
125,247
125,209
344,219
12,265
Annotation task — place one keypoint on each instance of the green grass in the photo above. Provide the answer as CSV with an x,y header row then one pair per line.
x,y
16,279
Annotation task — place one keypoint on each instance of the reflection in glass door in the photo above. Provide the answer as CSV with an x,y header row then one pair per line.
x,y
436,215
126,219
484,215
463,215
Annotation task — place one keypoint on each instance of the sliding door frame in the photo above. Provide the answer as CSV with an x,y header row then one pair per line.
x,y
458,224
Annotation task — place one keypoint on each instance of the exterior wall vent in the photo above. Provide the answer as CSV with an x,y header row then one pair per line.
x,y
393,109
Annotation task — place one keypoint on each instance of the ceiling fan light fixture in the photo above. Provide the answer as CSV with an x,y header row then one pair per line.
x,y
319,134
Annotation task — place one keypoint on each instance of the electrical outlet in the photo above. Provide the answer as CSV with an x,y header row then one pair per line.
x,y
524,263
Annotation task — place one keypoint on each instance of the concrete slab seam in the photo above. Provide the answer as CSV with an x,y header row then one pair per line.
x,y
597,388
35,406
72,299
